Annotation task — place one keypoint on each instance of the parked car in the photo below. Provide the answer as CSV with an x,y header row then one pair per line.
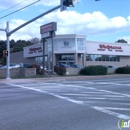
x,y
60,69
25,65
66,62
62,65
110,66
1,65
12,65
77,66
41,67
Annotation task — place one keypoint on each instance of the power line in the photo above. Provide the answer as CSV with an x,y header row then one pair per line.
x,y
19,9
12,6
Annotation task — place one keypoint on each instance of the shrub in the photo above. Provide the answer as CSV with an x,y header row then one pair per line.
x,y
60,70
123,70
94,70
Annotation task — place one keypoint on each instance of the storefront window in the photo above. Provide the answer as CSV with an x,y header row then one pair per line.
x,y
99,57
111,58
118,58
38,59
81,44
66,57
107,58
95,57
102,58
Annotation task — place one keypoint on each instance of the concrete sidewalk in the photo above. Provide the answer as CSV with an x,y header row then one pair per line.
x,y
61,78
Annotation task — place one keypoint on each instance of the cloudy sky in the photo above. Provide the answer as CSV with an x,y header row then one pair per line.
x,y
104,20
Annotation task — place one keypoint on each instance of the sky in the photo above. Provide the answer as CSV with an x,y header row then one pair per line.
x,y
104,20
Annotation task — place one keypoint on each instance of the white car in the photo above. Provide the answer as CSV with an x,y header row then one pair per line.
x,y
41,67
11,66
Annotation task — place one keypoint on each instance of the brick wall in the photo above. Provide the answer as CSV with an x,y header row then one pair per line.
x,y
19,72
74,71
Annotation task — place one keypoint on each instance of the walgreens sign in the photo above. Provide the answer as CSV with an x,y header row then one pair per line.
x,y
35,50
103,47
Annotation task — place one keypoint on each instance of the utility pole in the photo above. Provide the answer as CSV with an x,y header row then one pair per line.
x,y
8,49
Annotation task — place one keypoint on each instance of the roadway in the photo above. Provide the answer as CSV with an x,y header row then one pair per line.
x,y
64,105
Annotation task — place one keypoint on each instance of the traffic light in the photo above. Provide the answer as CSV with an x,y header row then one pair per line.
x,y
5,53
66,3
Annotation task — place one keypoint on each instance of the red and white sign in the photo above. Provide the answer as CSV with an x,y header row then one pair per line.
x,y
48,27
103,47
35,50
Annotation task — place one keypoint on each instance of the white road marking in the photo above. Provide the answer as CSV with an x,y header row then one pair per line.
x,y
95,98
116,96
108,83
106,91
107,103
113,108
126,95
88,95
92,92
55,95
101,109
122,116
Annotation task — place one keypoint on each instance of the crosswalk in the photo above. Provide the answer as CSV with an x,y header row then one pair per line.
x,y
88,93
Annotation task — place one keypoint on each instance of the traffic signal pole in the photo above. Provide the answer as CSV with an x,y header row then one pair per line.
x,y
8,34
30,21
62,6
8,49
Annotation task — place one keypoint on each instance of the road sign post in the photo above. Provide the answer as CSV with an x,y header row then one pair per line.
x,y
47,31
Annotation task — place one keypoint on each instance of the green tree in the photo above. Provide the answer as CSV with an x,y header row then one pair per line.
x,y
35,40
121,41
2,47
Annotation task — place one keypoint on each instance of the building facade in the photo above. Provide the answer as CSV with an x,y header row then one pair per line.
x,y
75,49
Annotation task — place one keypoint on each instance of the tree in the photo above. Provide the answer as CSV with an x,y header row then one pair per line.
x,y
14,47
35,40
2,47
121,41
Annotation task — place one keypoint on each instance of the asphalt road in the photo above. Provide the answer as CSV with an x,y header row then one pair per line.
x,y
64,105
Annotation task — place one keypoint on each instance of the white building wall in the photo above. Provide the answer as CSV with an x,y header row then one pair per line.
x,y
77,45
104,48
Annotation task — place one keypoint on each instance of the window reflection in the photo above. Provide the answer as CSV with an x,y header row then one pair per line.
x,y
104,58
66,57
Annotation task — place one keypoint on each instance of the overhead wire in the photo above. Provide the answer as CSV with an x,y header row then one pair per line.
x,y
12,6
19,9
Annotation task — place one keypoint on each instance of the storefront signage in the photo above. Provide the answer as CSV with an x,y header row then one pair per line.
x,y
35,50
48,27
66,43
103,47
46,35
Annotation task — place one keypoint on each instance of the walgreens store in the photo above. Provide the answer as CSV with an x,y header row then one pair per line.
x,y
75,49
103,53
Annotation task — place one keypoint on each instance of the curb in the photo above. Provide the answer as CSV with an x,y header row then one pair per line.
x,y
51,79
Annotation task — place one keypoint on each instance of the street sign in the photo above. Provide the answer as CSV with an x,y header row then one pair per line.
x,y
46,35
48,27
